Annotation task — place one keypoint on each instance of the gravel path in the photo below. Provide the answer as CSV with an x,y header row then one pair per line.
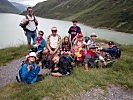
x,y
8,72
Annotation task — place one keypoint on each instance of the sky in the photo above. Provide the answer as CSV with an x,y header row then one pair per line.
x,y
27,2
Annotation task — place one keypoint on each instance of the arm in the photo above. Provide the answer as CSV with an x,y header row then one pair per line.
x,y
24,22
24,71
48,43
43,43
58,46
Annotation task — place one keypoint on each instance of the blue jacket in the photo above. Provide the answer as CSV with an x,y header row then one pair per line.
x,y
112,51
42,44
29,76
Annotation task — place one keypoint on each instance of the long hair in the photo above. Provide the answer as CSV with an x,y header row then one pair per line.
x,y
67,38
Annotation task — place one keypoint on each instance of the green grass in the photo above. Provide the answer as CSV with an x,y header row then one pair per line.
x,y
11,53
60,88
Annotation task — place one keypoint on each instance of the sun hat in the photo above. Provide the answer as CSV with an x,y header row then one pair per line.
x,y
54,29
93,34
31,54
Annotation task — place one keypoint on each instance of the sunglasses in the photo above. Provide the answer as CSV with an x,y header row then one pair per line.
x,y
54,30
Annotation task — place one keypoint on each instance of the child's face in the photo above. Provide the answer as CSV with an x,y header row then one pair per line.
x,y
32,59
56,59
93,37
66,40
40,34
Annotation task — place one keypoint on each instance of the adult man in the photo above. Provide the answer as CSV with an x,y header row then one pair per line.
x,y
74,30
29,25
53,41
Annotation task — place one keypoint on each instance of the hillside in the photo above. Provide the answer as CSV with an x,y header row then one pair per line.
x,y
19,6
116,14
7,7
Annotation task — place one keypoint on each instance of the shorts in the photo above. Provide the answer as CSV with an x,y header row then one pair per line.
x,y
30,35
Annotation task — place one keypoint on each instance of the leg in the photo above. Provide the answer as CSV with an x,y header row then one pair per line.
x,y
28,35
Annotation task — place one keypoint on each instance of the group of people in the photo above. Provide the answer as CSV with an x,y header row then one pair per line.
x,y
56,54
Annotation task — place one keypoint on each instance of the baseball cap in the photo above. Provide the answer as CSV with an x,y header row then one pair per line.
x,y
80,35
110,43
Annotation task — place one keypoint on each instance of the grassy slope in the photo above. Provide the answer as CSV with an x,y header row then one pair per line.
x,y
8,54
116,14
68,87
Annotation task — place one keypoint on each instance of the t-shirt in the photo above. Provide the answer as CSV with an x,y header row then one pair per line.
x,y
66,47
73,31
31,25
54,40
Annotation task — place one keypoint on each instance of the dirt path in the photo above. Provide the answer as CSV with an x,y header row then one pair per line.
x,y
8,72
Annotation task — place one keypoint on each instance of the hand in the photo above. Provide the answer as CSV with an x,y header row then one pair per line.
x,y
29,68
39,64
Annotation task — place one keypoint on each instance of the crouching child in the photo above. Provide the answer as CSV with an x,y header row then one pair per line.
x,y
29,71
91,56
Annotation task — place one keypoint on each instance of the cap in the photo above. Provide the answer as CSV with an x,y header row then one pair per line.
x,y
31,54
80,35
110,43
93,47
93,34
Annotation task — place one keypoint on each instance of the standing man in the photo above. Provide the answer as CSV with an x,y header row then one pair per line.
x,y
29,25
74,30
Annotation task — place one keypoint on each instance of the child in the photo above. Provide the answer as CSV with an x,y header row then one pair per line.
x,y
77,49
39,42
92,40
29,71
91,56
66,46
61,65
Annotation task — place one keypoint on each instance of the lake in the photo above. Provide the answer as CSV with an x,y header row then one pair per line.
x,y
11,34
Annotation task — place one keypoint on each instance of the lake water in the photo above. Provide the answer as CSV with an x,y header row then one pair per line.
x,y
11,34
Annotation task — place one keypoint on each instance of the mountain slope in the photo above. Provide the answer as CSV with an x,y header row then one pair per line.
x,y
116,14
19,6
7,7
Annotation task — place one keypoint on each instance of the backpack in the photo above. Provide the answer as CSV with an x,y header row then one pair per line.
x,y
118,53
67,62
23,26
18,75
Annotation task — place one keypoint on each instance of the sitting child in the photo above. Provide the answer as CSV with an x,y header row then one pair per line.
x,y
77,49
29,71
91,57
66,46
39,42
